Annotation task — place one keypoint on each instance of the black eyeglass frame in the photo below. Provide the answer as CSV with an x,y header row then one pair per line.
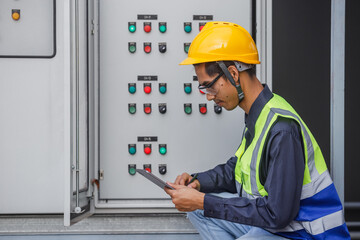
x,y
209,85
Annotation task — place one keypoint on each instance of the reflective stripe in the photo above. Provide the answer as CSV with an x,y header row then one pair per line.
x,y
316,185
254,157
244,193
311,162
317,226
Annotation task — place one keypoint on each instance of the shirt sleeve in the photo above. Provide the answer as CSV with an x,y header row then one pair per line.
x,y
283,184
219,179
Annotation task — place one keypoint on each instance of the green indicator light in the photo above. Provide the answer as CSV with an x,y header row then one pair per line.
x,y
132,28
162,151
188,110
132,150
187,28
162,89
132,110
132,171
132,89
186,49
187,89
132,49
162,28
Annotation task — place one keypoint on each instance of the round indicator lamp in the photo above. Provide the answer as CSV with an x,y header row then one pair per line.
x,y
148,170
187,89
132,89
132,110
162,150
187,28
132,171
162,89
147,110
147,89
132,150
147,28
186,48
132,49
147,49
16,16
147,150
203,110
188,110
162,28
201,27
132,28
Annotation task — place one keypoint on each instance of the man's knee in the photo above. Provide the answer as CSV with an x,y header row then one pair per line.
x,y
195,216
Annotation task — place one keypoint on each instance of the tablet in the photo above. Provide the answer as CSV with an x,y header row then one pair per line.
x,y
154,179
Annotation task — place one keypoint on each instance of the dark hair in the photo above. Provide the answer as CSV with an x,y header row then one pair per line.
x,y
212,68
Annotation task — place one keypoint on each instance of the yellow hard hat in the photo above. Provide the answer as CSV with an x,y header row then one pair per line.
x,y
222,41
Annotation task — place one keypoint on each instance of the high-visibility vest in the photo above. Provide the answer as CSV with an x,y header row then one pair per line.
x,y
321,212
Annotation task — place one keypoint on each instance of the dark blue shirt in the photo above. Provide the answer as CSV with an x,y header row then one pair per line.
x,y
281,173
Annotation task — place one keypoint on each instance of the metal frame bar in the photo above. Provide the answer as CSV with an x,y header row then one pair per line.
x,y
337,111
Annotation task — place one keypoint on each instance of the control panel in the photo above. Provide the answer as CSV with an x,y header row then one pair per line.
x,y
27,31
151,113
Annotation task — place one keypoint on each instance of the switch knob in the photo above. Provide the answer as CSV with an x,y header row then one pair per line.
x,y
162,169
162,108
162,47
217,109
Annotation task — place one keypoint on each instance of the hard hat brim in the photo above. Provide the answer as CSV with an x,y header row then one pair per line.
x,y
190,60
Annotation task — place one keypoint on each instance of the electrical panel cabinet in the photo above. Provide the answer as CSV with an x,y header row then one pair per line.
x,y
151,114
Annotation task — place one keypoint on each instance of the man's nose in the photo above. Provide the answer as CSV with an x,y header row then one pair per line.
x,y
210,97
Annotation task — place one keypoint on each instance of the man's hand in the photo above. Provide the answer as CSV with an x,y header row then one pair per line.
x,y
184,178
185,198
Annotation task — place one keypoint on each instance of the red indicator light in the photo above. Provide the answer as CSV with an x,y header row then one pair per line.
x,y
147,28
147,110
147,49
201,27
201,92
203,110
147,151
147,89
148,170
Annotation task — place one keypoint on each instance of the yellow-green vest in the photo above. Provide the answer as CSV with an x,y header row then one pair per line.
x,y
317,182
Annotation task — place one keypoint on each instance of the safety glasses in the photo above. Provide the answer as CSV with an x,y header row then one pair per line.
x,y
208,88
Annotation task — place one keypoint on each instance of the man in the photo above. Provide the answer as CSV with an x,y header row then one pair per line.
x,y
279,177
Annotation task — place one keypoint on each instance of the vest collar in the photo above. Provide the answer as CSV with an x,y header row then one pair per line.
x,y
256,108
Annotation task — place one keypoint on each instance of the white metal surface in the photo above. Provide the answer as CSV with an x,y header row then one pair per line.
x,y
337,112
32,129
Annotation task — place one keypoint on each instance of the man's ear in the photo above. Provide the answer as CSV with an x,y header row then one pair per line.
x,y
234,73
